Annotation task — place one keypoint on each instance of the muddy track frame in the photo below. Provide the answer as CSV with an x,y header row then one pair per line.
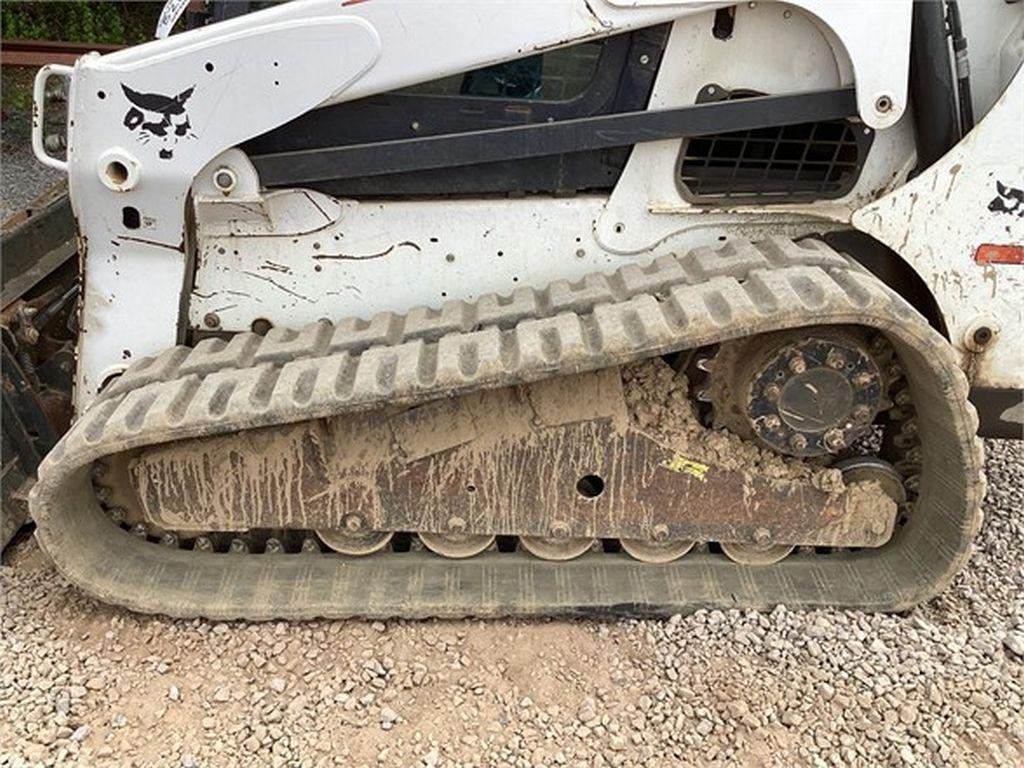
x,y
324,370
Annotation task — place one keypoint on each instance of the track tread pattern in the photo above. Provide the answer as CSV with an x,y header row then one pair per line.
x,y
325,369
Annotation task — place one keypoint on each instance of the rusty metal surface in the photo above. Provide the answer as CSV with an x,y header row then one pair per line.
x,y
36,53
559,458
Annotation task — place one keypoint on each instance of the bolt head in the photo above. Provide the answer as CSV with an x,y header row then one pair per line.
x,y
797,364
353,523
798,442
203,544
861,414
835,360
169,540
456,524
559,529
762,537
239,547
210,320
772,421
224,179
835,440
660,533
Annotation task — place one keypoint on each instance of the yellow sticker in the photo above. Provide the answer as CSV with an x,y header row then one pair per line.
x,y
681,464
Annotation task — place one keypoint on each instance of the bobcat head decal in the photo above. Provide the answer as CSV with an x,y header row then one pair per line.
x,y
159,117
1007,200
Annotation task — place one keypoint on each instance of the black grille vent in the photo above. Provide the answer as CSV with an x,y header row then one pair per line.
x,y
784,163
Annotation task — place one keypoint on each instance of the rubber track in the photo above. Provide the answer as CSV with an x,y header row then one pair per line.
x,y
323,370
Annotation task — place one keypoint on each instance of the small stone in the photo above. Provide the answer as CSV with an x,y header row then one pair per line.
x,y
587,710
791,718
1014,643
981,700
81,733
277,684
908,714
174,693
738,708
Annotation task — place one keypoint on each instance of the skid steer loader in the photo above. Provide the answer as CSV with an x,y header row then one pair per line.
x,y
582,306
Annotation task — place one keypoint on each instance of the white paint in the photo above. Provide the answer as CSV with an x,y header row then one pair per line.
x,y
241,77
995,46
937,221
647,209
871,38
134,278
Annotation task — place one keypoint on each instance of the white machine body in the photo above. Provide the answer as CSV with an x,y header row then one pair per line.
x,y
178,234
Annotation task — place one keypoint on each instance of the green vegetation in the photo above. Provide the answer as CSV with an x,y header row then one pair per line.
x,y
80,21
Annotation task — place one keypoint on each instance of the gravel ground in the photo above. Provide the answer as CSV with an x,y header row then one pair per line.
x,y
22,178
84,683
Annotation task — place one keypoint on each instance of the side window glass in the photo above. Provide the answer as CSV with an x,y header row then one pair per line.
x,y
559,75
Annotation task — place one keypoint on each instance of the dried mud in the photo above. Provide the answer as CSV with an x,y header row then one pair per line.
x,y
659,403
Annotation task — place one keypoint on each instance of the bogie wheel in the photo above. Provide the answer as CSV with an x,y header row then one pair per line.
x,y
656,551
550,548
752,554
456,545
355,543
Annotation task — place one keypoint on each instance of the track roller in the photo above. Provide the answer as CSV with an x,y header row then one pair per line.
x,y
549,548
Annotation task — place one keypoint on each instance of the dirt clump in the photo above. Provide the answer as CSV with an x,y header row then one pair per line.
x,y
659,403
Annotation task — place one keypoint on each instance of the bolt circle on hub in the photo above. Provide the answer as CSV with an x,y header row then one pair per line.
x,y
811,395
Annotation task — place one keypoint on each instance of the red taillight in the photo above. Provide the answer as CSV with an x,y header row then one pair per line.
x,y
989,253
